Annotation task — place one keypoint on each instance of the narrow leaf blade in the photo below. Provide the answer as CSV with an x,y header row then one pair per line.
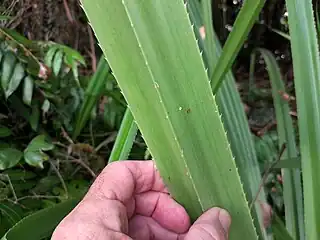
x,y
292,189
231,108
158,82
92,95
243,24
306,65
27,90
124,141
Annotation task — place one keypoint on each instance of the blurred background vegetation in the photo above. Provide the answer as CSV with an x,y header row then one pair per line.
x,y
49,152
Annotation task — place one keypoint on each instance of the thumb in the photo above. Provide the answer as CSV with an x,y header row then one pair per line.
x,y
214,224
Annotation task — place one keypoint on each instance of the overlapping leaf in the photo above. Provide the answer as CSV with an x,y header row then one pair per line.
x,y
177,115
306,65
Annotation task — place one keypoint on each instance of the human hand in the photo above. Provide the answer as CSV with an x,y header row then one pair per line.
x,y
127,201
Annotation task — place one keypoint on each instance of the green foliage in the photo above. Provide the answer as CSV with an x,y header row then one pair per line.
x,y
279,230
25,73
4,131
34,154
45,224
9,157
40,99
61,59
306,65
127,134
174,103
93,92
230,106
45,98
292,180
243,24
9,216
4,17
13,72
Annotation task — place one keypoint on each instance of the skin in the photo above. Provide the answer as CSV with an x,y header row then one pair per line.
x,y
129,200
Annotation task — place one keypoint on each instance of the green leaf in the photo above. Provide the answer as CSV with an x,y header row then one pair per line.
x,y
57,62
112,113
35,158
45,106
59,54
9,212
282,34
279,230
40,142
50,55
75,73
306,68
3,18
92,95
15,80
17,175
289,163
34,154
1,55
45,220
4,131
266,148
292,189
169,95
20,109
72,56
27,90
240,30
34,118
9,157
231,108
4,145
8,64
124,141
17,36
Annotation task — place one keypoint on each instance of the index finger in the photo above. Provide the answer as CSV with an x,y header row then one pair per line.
x,y
121,180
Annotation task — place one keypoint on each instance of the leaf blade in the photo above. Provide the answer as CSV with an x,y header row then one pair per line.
x,y
27,90
93,92
306,68
234,120
9,157
46,220
291,177
165,99
124,141
15,80
244,22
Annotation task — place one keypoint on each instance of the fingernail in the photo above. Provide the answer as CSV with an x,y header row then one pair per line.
x,y
225,220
